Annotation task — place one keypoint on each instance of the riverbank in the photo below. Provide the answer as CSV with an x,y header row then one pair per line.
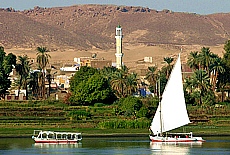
x,y
20,119
205,131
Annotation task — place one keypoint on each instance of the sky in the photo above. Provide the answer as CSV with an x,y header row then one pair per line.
x,y
190,6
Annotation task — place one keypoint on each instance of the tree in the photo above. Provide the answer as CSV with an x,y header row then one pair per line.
x,y
123,83
23,70
108,72
95,89
118,84
43,60
131,85
34,83
188,85
129,106
201,85
168,68
151,76
6,66
89,86
223,81
206,59
193,60
226,56
49,79
216,68
83,74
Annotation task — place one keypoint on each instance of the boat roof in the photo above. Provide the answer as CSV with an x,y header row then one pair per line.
x,y
58,132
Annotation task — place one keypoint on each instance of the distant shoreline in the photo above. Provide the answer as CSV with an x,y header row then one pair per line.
x,y
117,135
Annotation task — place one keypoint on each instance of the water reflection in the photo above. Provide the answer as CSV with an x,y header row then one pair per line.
x,y
173,148
15,143
115,146
51,146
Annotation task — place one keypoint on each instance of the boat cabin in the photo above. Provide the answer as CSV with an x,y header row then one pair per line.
x,y
179,135
57,136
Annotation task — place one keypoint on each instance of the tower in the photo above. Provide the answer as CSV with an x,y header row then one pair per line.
x,y
118,53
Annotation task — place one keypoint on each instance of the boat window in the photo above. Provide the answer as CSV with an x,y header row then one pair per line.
x,y
44,135
78,136
50,135
59,136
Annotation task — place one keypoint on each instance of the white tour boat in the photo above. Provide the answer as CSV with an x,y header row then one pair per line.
x,y
171,112
40,136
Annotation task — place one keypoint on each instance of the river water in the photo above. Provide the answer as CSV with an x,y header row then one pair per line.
x,y
115,146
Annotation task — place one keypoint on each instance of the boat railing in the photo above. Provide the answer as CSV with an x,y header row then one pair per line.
x,y
186,135
189,133
56,135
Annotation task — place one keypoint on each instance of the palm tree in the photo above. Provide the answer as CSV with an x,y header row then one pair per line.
x,y
226,56
206,58
118,84
108,71
49,79
193,60
216,68
168,60
152,77
23,70
131,86
43,60
33,83
223,82
188,85
201,83
227,46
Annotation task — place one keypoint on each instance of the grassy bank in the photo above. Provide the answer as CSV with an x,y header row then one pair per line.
x,y
93,132
21,118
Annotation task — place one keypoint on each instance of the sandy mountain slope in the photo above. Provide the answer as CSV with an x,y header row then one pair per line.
x,y
82,30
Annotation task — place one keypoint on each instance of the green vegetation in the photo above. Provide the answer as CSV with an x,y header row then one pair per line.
x,y
91,89
23,69
124,124
6,66
43,61
103,100
21,118
34,80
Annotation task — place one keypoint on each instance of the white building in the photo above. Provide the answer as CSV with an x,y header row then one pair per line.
x,y
118,53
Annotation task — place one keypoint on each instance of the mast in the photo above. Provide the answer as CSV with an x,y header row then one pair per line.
x,y
159,92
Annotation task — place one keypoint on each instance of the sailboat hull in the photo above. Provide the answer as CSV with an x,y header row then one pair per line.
x,y
175,139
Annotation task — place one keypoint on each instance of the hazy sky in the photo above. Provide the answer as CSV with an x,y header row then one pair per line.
x,y
192,6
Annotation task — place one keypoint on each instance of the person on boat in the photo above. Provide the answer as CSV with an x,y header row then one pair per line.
x,y
191,134
158,134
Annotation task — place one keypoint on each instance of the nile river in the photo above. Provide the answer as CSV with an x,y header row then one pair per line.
x,y
115,146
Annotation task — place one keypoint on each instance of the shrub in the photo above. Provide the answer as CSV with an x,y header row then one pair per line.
x,y
99,104
124,124
79,115
129,105
143,112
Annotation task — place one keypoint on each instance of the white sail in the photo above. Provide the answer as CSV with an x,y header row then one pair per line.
x,y
171,112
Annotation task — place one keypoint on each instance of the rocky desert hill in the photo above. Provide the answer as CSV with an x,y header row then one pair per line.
x,y
84,29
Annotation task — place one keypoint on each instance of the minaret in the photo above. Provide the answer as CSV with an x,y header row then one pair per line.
x,y
118,53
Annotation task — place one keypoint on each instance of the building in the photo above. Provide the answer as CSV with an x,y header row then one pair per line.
x,y
118,53
83,61
100,64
